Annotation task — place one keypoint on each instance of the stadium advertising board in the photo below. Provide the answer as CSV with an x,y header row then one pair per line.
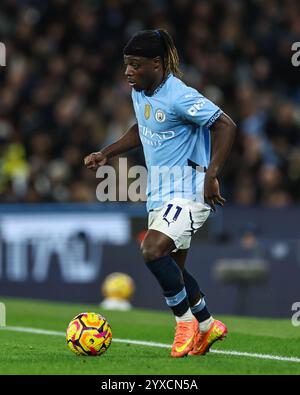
x,y
42,252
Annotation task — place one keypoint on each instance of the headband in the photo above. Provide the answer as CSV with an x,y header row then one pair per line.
x,y
146,45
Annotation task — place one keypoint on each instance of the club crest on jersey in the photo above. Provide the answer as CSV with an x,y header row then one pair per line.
x,y
160,116
147,111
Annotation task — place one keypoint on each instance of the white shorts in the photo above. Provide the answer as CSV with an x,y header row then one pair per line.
x,y
179,219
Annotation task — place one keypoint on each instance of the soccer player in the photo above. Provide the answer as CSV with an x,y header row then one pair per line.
x,y
181,130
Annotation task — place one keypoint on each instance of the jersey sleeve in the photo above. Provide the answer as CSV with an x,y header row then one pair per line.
x,y
194,107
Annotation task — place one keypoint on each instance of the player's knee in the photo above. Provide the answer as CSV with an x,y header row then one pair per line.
x,y
151,252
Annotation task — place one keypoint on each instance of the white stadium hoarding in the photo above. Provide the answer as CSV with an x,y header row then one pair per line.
x,y
31,243
112,228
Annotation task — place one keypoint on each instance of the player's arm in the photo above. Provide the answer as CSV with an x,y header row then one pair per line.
x,y
129,140
222,136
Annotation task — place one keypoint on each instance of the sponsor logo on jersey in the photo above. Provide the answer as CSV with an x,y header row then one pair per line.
x,y
153,138
196,107
168,134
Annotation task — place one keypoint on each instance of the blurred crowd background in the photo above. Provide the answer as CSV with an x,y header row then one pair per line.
x,y
63,92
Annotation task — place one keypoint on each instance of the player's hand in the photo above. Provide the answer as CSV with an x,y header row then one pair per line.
x,y
212,192
95,160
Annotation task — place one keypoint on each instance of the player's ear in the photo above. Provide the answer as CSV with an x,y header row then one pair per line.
x,y
156,62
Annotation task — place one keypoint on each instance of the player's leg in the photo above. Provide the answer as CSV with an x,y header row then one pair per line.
x,y
156,249
179,257
191,285
195,295
207,329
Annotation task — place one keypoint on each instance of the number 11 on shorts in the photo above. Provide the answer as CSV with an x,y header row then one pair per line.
x,y
176,215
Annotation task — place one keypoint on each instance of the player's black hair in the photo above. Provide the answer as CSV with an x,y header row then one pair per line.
x,y
152,43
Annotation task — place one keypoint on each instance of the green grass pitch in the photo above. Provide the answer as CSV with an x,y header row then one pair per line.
x,y
32,353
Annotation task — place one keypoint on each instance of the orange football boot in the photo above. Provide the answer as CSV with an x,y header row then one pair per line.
x,y
203,341
184,339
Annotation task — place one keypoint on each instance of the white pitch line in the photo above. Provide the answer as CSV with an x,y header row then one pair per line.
x,y
154,344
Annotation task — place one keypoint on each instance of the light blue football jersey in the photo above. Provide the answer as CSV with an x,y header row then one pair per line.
x,y
174,130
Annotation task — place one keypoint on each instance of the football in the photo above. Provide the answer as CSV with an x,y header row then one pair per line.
x,y
89,334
